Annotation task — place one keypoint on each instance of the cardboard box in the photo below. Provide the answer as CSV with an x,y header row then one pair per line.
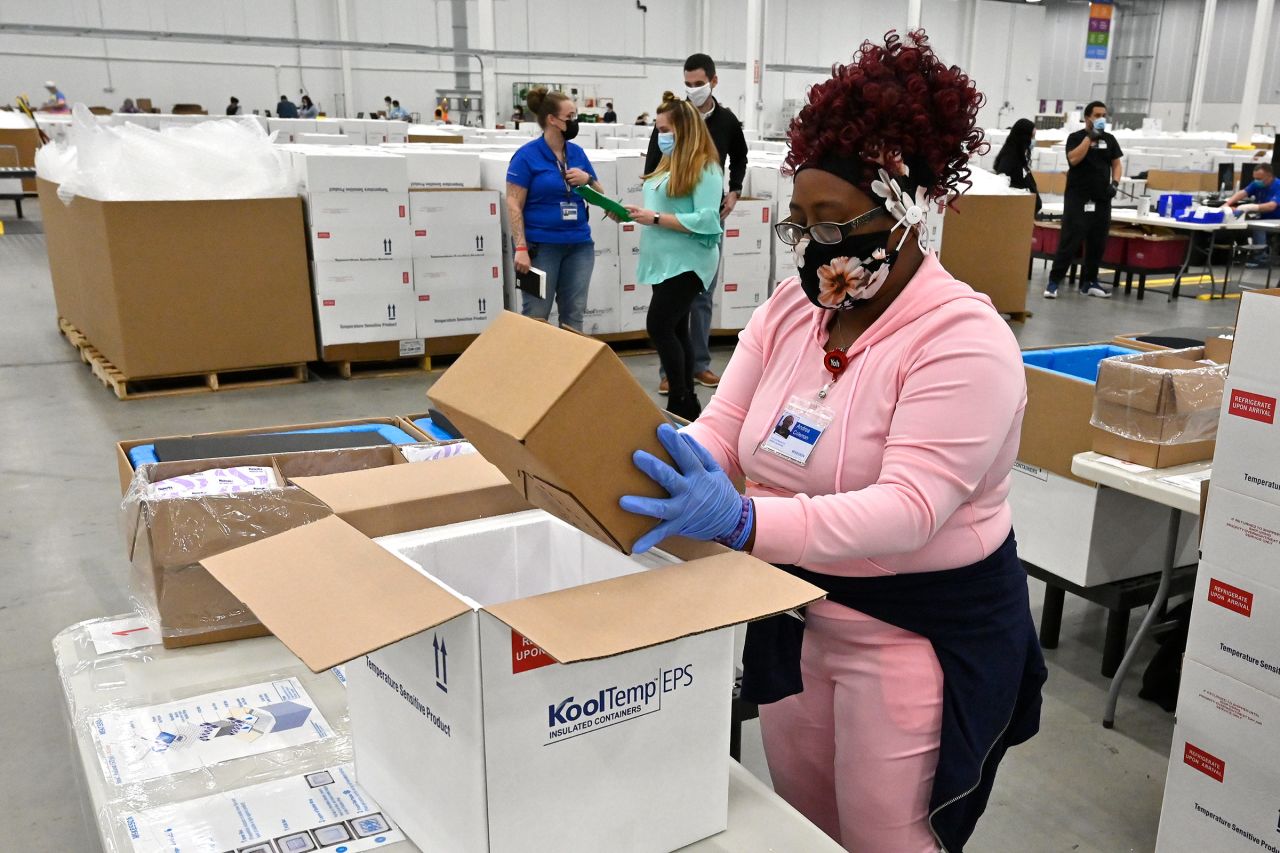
x,y
1091,536
1235,626
1051,183
987,245
151,292
633,309
356,318
604,298
1218,348
343,211
744,287
1187,182
26,140
1243,533
748,230
335,277
376,243
1215,797
1157,409
348,170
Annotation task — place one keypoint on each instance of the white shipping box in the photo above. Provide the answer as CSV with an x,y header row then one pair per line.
x,y
450,224
357,129
357,210
349,170
1243,533
449,309
287,129
748,230
744,287
433,169
604,233
1211,701
633,311
493,170
360,318
462,730
387,243
1235,627
322,139
1216,797
630,169
456,273
605,165
762,182
1091,536
629,239
604,298
1247,457
332,277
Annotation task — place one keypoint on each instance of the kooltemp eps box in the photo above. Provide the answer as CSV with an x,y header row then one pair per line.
x,y
1216,796
349,170
341,211
456,296
334,277
633,308
1243,533
435,169
451,224
744,287
1212,701
748,230
604,298
360,318
1235,626
374,243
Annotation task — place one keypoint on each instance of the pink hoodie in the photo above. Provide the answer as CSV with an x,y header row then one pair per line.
x,y
913,472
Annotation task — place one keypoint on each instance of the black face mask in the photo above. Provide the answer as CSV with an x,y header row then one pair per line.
x,y
570,129
844,274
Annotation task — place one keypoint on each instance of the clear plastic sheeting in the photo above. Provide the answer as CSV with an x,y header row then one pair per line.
x,y
217,159
271,795
1166,397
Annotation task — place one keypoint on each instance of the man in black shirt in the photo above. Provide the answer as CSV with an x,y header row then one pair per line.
x,y
610,117
726,131
1094,173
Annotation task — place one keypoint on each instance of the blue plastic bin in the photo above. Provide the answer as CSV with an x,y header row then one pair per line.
x,y
145,454
1077,362
1172,204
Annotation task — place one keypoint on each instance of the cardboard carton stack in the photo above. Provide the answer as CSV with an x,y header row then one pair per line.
x,y
1224,765
358,207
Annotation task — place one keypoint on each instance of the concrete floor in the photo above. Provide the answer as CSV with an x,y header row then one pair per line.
x,y
1075,787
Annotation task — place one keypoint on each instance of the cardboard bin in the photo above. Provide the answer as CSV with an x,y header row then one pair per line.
x,y
1159,408
987,245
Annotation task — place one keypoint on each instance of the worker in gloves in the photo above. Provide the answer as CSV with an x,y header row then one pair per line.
x,y
873,407
1265,194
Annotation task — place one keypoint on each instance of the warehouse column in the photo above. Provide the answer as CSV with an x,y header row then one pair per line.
x,y
1253,70
348,90
913,14
704,29
489,77
1202,65
751,103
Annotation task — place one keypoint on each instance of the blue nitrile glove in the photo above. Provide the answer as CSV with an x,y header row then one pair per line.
x,y
703,504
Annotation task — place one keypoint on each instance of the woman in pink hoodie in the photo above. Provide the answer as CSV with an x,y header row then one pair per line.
x,y
873,407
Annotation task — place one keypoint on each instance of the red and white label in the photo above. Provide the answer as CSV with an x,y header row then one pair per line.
x,y
405,278
526,656
1210,765
322,235
329,303
1230,597
424,297
629,227
730,288
422,232
764,216
1255,407
627,288
402,211
495,272
732,232
493,210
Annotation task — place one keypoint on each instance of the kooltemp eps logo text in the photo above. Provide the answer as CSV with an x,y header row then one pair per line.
x,y
609,706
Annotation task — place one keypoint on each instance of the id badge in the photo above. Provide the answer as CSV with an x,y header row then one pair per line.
x,y
1090,207
568,211
798,429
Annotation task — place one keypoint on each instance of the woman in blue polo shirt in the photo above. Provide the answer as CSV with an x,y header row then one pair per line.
x,y
548,220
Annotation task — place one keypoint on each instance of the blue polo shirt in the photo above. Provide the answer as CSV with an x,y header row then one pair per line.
x,y
536,168
1262,195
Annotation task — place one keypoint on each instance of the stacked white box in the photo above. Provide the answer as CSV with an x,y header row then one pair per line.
x,y
340,221
1224,768
358,318
748,229
630,168
287,129
744,287
633,308
443,167
457,260
456,224
604,298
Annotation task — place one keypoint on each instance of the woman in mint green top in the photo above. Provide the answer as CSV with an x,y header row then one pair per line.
x,y
680,248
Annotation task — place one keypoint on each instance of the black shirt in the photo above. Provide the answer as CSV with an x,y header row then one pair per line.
x,y
726,133
1091,177
1014,164
610,117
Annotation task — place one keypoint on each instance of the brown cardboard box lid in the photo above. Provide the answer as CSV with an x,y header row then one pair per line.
x,y
560,415
330,593
1161,381
411,496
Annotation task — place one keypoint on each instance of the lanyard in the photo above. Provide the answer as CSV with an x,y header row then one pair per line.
x,y
836,361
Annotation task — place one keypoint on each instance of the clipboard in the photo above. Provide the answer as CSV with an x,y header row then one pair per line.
x,y
590,196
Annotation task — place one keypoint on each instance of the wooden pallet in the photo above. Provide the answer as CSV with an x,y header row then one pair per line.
x,y
178,385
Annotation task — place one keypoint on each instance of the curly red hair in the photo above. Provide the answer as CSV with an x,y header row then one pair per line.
x,y
894,102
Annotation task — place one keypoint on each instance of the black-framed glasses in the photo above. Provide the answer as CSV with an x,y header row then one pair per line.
x,y
827,233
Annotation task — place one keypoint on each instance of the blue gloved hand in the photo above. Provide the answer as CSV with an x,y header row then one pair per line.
x,y
703,504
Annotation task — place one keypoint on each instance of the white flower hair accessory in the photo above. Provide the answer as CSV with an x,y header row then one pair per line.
x,y
904,209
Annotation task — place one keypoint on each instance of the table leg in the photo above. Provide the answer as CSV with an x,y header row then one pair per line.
x,y
1176,291
1051,616
1157,604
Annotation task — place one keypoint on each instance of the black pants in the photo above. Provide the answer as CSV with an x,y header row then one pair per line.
x,y
668,327
1089,228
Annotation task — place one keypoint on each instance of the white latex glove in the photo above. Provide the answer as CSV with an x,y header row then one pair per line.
x,y
1247,208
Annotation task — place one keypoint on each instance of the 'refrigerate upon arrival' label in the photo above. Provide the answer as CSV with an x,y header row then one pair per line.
x,y
526,656
1208,764
321,810
1230,597
1255,407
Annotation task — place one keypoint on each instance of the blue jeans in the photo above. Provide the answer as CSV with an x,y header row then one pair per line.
x,y
568,267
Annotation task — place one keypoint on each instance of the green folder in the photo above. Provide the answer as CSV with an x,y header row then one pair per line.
x,y
590,196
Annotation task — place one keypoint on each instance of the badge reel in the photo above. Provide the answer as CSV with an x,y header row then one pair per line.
x,y
803,421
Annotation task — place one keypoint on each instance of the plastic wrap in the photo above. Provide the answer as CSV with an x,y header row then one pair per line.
x,y
196,804
217,159
1165,397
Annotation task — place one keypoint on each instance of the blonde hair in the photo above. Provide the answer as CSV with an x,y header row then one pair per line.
x,y
695,150
544,104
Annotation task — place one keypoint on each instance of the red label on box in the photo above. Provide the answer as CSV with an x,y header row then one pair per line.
x,y
322,235
526,656
1210,765
764,215
628,287
1230,597
402,211
495,272
629,227
493,210
421,233
405,277
730,288
1255,407
424,297
732,232
329,303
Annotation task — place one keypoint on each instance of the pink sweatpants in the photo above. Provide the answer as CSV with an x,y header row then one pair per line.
x,y
856,751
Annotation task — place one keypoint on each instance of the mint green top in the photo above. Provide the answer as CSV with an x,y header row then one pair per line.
x,y
665,253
